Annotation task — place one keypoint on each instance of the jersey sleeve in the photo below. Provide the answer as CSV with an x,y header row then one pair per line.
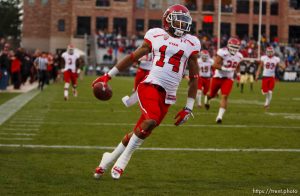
x,y
63,55
221,52
149,36
277,60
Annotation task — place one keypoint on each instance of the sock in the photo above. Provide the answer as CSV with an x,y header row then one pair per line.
x,y
221,113
133,144
270,97
199,94
206,101
66,91
267,99
113,156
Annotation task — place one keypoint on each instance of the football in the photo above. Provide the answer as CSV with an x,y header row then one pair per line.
x,y
102,91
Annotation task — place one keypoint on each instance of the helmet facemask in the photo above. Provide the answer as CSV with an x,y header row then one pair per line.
x,y
180,22
270,52
233,49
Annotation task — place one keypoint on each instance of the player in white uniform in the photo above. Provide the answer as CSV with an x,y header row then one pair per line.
x,y
205,72
173,50
268,62
226,63
71,70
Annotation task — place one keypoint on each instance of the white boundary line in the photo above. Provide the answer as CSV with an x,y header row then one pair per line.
x,y
157,149
172,125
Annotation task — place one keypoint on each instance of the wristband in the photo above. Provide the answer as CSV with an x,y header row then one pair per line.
x,y
190,103
113,72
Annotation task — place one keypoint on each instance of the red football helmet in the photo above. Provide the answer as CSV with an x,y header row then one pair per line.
x,y
177,20
270,51
204,55
233,45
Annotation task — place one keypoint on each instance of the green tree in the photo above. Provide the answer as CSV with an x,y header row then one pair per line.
x,y
10,19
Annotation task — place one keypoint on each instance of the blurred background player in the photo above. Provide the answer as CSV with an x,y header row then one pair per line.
x,y
226,63
173,49
71,64
145,64
205,72
247,71
268,62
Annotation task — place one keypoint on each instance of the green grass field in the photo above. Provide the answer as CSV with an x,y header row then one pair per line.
x,y
48,120
6,96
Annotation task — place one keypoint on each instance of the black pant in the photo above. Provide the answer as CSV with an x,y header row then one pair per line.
x,y
16,79
42,78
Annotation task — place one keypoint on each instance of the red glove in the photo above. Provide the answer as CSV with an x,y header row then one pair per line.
x,y
183,116
105,78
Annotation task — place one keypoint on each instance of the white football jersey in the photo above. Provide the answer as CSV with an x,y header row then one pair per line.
x,y
170,57
205,67
229,61
146,62
269,65
70,61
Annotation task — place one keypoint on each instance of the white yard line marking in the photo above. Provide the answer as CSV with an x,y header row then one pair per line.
x,y
157,149
26,122
171,125
18,129
22,125
292,116
22,134
10,107
4,138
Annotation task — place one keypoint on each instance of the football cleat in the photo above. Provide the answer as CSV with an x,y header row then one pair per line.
x,y
219,121
116,172
207,106
75,93
266,107
66,98
99,172
199,106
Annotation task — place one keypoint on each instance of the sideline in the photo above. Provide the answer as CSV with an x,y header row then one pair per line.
x,y
13,105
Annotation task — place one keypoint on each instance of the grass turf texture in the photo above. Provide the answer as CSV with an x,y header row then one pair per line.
x,y
78,122
7,96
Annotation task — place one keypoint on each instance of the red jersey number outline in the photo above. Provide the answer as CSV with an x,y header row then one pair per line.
x,y
174,60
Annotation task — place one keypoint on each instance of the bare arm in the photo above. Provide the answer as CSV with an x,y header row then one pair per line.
x,y
259,69
193,73
218,61
133,57
281,65
63,63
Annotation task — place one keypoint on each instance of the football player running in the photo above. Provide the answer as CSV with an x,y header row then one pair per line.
x,y
205,72
268,62
71,64
173,50
226,63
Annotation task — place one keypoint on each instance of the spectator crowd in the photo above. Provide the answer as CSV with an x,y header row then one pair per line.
x,y
20,66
